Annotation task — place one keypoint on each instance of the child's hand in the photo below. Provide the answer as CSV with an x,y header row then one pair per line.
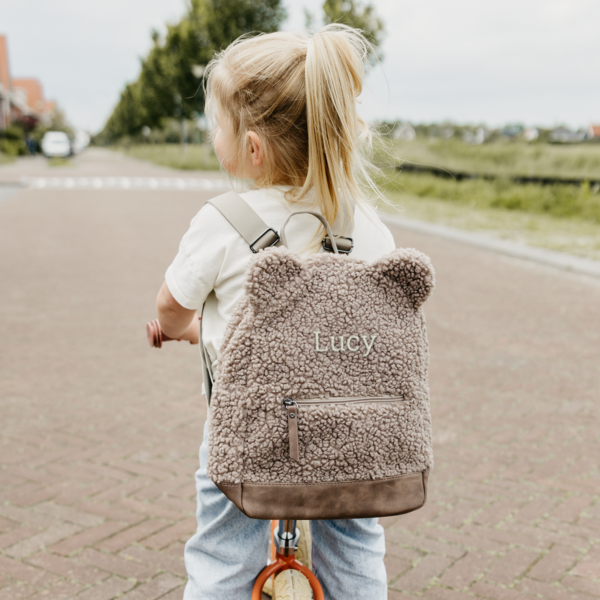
x,y
156,336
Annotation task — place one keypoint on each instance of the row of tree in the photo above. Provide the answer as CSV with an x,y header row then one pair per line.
x,y
170,81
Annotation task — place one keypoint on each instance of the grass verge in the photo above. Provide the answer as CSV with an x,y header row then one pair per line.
x,y
5,159
574,236
563,201
197,157
57,161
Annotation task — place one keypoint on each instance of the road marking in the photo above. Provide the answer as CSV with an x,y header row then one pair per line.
x,y
127,183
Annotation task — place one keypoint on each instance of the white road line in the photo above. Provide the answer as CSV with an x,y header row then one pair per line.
x,y
127,183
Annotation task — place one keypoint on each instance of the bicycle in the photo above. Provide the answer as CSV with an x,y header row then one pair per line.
x,y
292,580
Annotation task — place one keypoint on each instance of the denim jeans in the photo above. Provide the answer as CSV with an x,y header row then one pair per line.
x,y
229,550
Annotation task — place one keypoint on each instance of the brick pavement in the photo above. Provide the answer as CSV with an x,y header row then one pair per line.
x,y
100,435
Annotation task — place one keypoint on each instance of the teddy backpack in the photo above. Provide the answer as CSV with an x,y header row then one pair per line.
x,y
319,408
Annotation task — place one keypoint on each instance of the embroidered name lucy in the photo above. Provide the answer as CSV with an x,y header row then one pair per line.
x,y
352,343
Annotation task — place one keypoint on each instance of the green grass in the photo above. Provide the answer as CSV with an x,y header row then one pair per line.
x,y
199,157
5,159
502,157
563,201
574,236
558,217
59,162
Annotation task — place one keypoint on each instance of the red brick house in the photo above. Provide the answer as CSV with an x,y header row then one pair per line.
x,y
20,99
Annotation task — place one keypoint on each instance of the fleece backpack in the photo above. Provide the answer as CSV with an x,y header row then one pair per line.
x,y
319,408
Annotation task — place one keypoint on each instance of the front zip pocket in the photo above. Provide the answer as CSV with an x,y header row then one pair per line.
x,y
293,413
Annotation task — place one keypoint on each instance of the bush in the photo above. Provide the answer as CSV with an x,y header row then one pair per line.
x,y
12,141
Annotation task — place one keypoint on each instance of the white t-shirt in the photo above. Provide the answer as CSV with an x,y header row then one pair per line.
x,y
211,262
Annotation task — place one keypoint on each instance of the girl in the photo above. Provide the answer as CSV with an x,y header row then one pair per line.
x,y
285,107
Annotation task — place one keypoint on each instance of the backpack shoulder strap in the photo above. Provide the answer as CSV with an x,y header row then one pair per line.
x,y
208,377
245,221
259,235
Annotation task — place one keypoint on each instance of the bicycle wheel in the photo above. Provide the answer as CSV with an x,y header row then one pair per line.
x,y
291,585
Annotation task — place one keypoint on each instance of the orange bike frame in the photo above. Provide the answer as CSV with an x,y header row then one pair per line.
x,y
282,563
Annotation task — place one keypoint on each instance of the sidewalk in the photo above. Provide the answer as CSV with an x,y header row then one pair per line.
x,y
101,433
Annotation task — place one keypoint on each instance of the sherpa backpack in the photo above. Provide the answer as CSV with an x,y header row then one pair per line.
x,y
319,408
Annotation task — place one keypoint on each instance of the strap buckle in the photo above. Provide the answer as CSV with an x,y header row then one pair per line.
x,y
272,239
345,245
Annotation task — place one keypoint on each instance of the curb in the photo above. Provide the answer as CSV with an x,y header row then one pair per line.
x,y
552,258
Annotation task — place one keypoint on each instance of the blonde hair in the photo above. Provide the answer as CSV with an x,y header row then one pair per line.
x,y
299,95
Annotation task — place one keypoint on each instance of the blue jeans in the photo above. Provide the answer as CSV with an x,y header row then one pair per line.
x,y
229,550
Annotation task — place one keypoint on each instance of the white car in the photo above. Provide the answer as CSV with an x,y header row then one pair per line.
x,y
56,144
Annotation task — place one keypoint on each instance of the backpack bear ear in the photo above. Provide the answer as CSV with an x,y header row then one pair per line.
x,y
411,270
271,275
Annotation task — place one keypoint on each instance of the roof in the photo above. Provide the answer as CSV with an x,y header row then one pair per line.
x,y
595,131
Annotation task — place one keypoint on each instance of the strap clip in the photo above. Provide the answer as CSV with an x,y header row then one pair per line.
x,y
345,245
265,242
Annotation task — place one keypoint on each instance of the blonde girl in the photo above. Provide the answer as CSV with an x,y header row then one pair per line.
x,y
287,121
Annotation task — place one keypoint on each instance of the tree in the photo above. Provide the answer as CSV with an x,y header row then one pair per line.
x,y
170,81
354,14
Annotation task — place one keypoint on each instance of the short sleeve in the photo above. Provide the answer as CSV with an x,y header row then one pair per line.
x,y
193,273
390,241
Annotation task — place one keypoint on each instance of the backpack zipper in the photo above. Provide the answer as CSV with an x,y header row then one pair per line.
x,y
292,408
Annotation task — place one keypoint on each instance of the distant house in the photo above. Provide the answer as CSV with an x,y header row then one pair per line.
x,y
564,135
530,134
405,132
20,99
593,132
512,131
481,135
30,91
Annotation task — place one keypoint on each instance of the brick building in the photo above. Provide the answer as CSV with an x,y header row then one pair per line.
x,y
22,98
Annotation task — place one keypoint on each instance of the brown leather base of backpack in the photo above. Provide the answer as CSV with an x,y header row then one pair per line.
x,y
384,497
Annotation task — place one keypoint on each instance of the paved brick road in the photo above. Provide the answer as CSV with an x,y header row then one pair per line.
x,y
100,433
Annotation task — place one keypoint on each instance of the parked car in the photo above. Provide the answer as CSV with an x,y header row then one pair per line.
x,y
56,144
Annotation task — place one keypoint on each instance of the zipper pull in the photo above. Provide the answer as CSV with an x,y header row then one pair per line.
x,y
292,418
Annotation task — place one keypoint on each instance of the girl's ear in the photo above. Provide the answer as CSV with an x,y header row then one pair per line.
x,y
272,276
255,145
409,269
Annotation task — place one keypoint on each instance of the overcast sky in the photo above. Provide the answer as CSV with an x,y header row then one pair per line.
x,y
529,61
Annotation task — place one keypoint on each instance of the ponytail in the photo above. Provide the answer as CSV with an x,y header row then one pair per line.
x,y
334,72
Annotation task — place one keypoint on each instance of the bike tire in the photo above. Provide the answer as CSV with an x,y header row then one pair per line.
x,y
291,585
303,554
